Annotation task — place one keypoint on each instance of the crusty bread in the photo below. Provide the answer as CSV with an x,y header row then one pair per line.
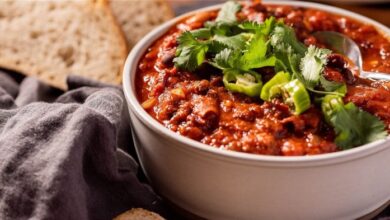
x,y
138,17
138,214
52,39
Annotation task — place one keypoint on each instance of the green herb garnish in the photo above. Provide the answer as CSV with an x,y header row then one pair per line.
x,y
228,12
248,83
296,96
238,49
191,52
312,65
352,125
272,88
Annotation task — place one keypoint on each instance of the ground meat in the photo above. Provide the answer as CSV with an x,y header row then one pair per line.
x,y
205,111
198,106
373,100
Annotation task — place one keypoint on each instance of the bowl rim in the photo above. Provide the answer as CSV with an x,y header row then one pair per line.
x,y
133,104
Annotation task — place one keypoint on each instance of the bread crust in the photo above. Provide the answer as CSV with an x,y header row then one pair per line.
x,y
104,4
138,214
34,56
138,17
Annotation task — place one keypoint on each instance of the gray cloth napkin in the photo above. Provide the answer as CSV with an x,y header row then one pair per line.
x,y
60,154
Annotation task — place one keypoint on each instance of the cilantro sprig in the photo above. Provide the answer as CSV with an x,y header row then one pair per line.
x,y
352,125
312,65
238,49
228,12
243,46
192,52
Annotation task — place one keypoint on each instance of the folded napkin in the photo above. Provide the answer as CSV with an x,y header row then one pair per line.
x,y
62,155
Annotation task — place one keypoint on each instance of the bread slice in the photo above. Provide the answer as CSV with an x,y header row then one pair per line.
x,y
138,214
138,17
54,38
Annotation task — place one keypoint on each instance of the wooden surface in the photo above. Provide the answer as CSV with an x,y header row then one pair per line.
x,y
379,11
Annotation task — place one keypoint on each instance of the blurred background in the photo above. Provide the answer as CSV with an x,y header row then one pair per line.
x,y
377,9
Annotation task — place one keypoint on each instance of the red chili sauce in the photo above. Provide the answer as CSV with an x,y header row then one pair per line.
x,y
198,106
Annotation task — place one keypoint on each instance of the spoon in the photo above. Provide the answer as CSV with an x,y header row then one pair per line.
x,y
346,46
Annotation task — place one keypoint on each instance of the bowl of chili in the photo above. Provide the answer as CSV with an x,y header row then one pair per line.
x,y
244,117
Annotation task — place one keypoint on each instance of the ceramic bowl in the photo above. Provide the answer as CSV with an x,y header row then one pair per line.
x,y
219,184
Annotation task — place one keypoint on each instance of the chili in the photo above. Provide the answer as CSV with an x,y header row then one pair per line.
x,y
197,104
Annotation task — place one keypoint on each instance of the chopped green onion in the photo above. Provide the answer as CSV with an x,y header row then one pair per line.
x,y
248,83
270,88
329,104
296,96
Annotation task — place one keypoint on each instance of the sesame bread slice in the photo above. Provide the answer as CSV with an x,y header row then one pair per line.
x,y
52,39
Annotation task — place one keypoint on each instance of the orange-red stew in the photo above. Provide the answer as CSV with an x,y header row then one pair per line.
x,y
198,106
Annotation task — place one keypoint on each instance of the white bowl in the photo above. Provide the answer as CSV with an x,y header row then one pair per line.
x,y
220,184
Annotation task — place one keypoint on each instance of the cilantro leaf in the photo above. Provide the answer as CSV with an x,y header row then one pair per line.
x,y
356,127
283,34
235,42
228,12
312,65
288,50
215,47
257,47
264,28
223,28
191,57
226,59
201,33
287,59
352,125
255,54
250,26
247,64
186,39
226,22
331,86
306,64
191,53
